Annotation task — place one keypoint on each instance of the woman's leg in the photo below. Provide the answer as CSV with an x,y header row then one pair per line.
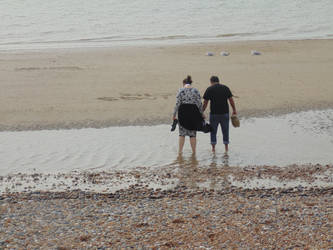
x,y
181,143
193,141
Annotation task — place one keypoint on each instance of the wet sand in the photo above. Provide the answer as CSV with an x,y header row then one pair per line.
x,y
137,86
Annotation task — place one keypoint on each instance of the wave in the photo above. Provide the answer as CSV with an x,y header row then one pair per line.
x,y
101,40
119,40
236,34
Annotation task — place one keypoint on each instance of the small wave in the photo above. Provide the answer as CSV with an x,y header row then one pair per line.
x,y
172,37
236,34
97,39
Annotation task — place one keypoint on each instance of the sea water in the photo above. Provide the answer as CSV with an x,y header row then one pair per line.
x,y
296,138
36,24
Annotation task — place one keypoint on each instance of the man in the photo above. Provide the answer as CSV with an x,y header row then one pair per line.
x,y
219,95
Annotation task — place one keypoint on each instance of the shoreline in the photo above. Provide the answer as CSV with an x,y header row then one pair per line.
x,y
155,45
169,179
246,114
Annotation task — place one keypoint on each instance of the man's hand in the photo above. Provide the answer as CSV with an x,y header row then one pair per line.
x,y
232,103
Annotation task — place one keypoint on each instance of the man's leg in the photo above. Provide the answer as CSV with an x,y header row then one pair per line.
x,y
213,123
225,130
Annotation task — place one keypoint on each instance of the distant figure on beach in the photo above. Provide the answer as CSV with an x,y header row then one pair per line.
x,y
219,94
189,109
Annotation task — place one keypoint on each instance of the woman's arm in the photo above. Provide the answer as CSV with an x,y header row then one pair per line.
x,y
198,102
178,101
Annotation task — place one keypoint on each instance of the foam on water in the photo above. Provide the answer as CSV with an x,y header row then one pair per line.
x,y
297,138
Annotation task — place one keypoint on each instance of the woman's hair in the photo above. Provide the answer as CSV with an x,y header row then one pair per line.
x,y
187,80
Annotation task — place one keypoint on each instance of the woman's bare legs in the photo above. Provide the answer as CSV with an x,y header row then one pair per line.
x,y
181,144
193,142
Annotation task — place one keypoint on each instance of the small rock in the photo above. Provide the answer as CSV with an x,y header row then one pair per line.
x,y
255,53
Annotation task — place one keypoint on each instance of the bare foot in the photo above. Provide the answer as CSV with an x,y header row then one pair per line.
x,y
213,148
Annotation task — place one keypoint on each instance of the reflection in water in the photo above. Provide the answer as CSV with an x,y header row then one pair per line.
x,y
188,169
193,175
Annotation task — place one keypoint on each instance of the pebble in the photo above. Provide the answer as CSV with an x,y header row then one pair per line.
x,y
224,53
255,53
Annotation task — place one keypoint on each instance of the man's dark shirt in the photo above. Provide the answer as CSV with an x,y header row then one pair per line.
x,y
218,96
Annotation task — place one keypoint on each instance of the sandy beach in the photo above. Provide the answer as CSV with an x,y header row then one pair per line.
x,y
99,87
81,189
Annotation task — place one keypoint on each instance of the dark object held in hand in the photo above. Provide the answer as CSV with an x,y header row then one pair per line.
x,y
174,124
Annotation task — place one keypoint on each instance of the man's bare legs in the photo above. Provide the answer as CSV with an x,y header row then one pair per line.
x,y
226,148
181,144
193,142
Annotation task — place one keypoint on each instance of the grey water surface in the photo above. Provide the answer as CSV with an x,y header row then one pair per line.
x,y
296,138
39,24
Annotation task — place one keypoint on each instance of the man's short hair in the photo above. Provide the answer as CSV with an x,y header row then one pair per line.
x,y
214,79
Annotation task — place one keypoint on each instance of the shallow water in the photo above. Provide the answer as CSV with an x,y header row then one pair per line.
x,y
297,138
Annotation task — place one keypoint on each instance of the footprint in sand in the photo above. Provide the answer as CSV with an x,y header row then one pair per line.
x,y
135,97
110,99
49,68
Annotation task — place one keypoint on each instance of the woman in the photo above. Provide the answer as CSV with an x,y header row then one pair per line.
x,y
188,107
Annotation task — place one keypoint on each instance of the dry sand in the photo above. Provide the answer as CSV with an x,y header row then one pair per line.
x,y
125,85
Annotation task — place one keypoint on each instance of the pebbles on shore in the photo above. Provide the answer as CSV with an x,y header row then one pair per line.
x,y
151,212
179,218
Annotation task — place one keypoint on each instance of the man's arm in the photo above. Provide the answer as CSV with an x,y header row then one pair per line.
x,y
204,105
232,103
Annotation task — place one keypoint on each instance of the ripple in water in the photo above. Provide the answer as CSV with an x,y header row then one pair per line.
x,y
297,138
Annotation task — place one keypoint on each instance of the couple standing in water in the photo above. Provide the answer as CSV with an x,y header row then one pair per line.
x,y
190,111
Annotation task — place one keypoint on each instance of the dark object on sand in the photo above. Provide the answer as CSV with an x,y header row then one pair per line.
x,y
206,128
174,124
190,118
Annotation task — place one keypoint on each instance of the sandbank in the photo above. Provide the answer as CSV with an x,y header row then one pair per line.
x,y
100,87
